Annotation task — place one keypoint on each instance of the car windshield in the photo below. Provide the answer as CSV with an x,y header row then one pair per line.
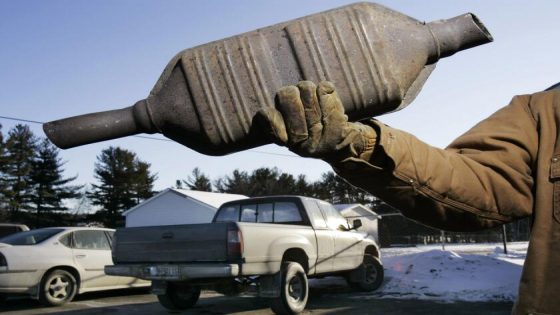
x,y
30,237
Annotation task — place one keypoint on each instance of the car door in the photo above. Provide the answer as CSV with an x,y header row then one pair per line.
x,y
92,252
348,246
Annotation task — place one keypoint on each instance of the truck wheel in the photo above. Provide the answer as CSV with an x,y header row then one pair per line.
x,y
57,287
179,296
294,290
373,277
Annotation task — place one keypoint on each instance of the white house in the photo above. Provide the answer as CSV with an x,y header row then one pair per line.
x,y
366,215
177,206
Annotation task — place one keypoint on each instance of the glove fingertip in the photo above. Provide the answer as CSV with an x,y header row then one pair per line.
x,y
325,87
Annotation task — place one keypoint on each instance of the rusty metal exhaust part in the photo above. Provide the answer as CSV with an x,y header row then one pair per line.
x,y
207,96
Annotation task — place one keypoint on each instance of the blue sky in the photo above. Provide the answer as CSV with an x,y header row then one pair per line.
x,y
64,58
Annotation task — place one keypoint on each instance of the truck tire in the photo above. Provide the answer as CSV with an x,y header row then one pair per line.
x,y
373,277
294,290
179,296
58,287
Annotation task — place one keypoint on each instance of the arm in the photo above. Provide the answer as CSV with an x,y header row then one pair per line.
x,y
482,179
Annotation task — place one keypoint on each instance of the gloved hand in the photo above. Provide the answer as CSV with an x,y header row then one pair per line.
x,y
310,121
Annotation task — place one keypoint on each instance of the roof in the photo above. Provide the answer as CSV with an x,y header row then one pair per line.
x,y
210,199
358,208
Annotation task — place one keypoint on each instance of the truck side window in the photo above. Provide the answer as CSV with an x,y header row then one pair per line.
x,y
228,214
334,219
248,213
315,215
264,211
286,212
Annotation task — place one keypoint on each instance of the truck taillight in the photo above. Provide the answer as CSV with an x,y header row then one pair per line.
x,y
234,244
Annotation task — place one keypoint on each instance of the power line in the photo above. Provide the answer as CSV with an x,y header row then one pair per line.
x,y
22,120
150,138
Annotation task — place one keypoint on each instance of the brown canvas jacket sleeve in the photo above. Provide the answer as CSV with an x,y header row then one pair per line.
x,y
484,178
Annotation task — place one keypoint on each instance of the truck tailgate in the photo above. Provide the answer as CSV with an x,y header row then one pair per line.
x,y
172,243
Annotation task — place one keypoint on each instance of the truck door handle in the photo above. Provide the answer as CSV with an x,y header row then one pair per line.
x,y
81,256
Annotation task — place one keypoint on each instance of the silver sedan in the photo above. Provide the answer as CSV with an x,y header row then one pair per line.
x,y
54,264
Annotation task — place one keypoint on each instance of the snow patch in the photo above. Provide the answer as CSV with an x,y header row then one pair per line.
x,y
475,272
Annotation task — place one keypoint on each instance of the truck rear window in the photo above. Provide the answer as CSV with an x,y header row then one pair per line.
x,y
276,212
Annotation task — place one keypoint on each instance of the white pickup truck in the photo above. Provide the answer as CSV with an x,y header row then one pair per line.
x,y
270,245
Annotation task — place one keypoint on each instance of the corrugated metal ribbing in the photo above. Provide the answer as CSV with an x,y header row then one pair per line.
x,y
230,81
341,47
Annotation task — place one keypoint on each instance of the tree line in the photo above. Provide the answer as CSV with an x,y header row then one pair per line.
x,y
266,181
34,190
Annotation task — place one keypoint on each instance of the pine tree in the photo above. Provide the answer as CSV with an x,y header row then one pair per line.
x,y
197,181
124,181
302,187
49,187
143,183
20,150
238,183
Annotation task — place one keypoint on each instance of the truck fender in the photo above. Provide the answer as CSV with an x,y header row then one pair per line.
x,y
283,244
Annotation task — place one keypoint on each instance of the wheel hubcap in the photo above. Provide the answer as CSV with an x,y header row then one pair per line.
x,y
371,273
296,289
58,288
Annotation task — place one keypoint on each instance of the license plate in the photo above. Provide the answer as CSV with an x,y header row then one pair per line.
x,y
162,271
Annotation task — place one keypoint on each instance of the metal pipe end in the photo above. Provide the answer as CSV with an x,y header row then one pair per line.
x,y
458,33
95,127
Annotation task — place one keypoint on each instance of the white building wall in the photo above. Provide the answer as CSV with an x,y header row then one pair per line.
x,y
168,209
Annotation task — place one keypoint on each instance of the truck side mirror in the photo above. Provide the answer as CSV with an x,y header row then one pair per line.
x,y
356,224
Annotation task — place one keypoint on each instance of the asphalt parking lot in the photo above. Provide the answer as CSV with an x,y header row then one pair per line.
x,y
322,301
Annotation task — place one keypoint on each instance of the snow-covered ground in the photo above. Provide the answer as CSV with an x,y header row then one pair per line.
x,y
473,272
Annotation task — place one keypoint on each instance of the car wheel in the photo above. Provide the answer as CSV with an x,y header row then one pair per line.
x,y
57,287
179,296
373,277
294,290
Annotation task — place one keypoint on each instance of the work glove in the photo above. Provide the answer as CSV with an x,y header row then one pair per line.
x,y
310,121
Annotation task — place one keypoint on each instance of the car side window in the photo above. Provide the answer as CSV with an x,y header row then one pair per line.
x,y
110,235
66,240
286,212
91,240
